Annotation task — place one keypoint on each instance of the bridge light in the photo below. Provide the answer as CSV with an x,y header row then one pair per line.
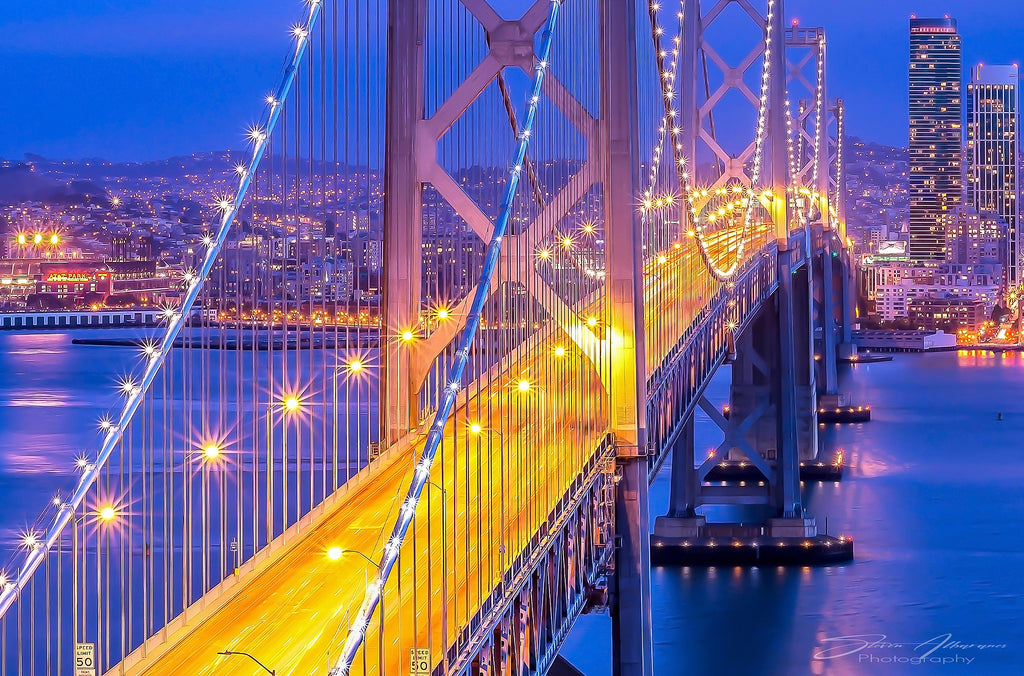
x,y
256,135
54,239
524,385
407,335
291,404
559,351
443,313
588,228
38,238
108,513
211,452
567,242
22,239
591,321
662,259
544,253
475,428
355,366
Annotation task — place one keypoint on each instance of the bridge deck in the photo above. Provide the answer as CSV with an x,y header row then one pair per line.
x,y
293,609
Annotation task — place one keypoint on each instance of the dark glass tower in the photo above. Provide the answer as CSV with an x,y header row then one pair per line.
x,y
935,134
992,160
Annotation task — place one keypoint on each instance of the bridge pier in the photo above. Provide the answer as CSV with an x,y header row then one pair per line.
x,y
833,318
772,397
771,424
828,372
848,281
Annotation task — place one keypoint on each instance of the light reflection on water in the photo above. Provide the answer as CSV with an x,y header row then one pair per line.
x,y
932,497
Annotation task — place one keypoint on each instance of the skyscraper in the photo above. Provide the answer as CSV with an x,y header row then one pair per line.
x,y
993,116
935,134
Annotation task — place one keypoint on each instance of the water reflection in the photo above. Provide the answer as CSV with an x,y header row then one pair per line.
x,y
932,499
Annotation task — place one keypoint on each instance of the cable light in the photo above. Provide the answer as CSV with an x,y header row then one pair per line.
x,y
114,433
371,599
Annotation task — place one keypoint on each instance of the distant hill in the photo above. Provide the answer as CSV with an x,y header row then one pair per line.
x,y
22,183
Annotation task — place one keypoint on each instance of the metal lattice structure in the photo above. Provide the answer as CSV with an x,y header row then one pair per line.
x,y
477,270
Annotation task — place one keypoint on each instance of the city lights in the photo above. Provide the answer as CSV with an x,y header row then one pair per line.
x,y
266,301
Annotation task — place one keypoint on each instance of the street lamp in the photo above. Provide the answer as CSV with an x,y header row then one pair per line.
x,y
106,516
265,668
526,388
335,554
477,429
444,570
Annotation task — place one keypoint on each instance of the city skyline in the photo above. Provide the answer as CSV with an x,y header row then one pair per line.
x,y
477,366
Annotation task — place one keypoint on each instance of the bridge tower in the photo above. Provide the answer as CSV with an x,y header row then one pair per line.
x,y
771,421
819,131
632,640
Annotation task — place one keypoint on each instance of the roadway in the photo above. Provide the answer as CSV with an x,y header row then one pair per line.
x,y
294,613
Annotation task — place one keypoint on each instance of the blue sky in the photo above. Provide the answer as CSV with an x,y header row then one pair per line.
x,y
152,78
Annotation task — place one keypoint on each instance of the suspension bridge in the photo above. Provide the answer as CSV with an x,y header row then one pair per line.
x,y
428,451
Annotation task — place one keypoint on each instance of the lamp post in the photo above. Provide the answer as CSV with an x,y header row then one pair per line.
x,y
104,515
355,368
335,554
444,572
477,429
526,388
228,653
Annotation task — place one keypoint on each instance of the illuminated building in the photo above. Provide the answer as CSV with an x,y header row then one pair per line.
x,y
895,297
973,237
935,133
993,182
947,313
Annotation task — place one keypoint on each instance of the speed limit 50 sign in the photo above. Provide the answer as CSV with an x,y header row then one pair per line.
x,y
85,659
419,662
